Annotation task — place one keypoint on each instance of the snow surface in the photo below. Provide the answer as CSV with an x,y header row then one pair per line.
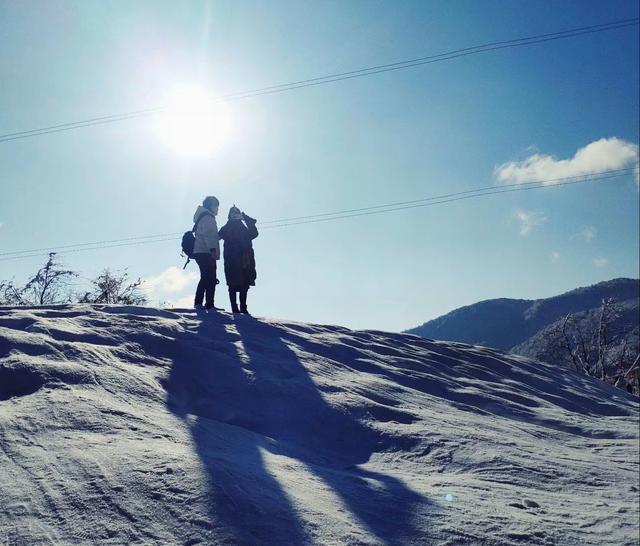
x,y
132,425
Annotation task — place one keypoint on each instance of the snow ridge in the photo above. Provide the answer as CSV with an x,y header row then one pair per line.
x,y
132,425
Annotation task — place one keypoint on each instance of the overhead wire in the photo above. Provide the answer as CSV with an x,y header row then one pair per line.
x,y
461,198
93,243
266,223
429,60
365,211
627,170
284,222
599,27
491,46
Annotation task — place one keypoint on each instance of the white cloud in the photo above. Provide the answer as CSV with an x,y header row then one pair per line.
x,y
589,233
600,261
555,256
171,280
173,287
528,220
602,155
184,301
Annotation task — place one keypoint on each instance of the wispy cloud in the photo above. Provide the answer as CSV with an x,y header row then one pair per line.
x,y
555,256
600,261
529,220
589,233
602,155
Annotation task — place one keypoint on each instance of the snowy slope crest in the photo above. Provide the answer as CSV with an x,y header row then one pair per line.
x,y
127,425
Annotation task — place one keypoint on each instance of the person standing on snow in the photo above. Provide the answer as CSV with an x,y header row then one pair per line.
x,y
239,259
206,250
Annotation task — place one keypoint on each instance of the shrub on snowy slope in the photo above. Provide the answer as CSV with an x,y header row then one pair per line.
x,y
52,284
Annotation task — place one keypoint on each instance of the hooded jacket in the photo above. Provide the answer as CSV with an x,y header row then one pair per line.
x,y
207,240
239,259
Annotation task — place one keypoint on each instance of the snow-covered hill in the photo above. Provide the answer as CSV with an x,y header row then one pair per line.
x,y
125,425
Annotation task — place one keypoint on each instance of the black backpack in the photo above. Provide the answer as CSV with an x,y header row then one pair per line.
x,y
189,239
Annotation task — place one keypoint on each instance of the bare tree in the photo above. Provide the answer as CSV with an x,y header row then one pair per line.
x,y
596,349
10,294
630,379
114,288
50,285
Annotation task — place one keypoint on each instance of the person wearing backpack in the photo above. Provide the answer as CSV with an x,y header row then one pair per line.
x,y
239,259
206,250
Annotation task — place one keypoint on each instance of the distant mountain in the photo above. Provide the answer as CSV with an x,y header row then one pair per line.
x,y
520,325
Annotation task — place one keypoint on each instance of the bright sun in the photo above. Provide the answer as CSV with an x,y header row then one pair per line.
x,y
192,122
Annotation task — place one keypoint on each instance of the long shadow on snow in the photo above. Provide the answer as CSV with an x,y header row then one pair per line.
x,y
260,386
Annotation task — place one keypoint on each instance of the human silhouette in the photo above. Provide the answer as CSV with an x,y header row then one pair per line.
x,y
239,259
206,250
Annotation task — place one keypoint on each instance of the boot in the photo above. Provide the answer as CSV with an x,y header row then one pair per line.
x,y
243,302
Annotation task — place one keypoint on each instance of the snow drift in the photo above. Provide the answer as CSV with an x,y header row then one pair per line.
x,y
130,425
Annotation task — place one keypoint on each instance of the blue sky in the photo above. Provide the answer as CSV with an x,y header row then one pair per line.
x,y
397,136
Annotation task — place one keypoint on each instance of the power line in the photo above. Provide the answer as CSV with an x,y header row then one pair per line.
x,y
599,27
267,223
491,46
99,247
598,179
366,211
64,247
435,58
627,170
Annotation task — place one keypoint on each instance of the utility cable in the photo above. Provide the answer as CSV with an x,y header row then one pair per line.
x,y
264,224
464,197
338,216
491,46
628,170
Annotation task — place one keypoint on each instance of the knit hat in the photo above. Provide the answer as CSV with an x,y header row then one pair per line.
x,y
235,213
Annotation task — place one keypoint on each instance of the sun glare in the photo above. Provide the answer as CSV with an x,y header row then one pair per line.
x,y
193,123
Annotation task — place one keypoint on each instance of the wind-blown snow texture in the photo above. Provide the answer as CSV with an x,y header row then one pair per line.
x,y
125,425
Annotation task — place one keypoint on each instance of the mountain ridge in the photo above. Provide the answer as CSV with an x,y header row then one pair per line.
x,y
503,323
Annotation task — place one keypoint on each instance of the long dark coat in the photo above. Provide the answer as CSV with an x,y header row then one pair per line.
x,y
239,259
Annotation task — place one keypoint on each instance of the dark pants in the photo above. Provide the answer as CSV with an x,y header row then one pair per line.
x,y
242,290
207,285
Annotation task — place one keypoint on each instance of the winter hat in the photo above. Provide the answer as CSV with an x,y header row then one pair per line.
x,y
210,202
234,213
